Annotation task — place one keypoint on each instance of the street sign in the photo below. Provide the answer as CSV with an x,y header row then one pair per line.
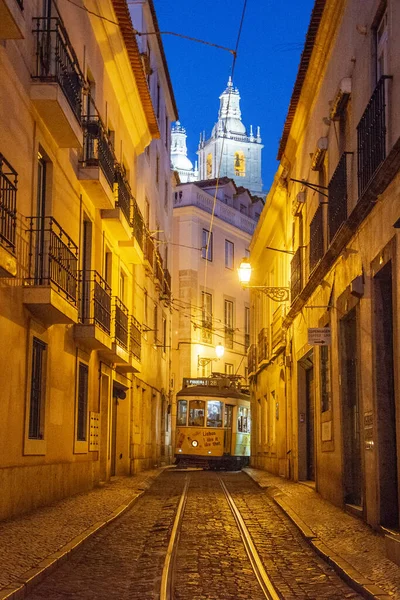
x,y
319,336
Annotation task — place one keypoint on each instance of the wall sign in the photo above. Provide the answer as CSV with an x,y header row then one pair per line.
x,y
319,336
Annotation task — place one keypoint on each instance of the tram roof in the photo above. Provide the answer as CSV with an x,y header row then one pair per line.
x,y
220,387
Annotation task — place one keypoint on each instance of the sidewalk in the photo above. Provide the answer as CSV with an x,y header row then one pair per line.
x,y
32,544
355,550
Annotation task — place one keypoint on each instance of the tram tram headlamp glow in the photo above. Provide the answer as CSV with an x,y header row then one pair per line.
x,y
195,443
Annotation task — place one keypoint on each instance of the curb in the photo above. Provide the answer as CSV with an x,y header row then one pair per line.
x,y
361,584
25,583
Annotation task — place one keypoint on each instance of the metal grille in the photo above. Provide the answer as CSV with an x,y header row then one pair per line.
x,y
337,192
158,264
135,338
53,257
97,148
36,416
296,274
149,250
137,224
371,136
8,204
316,237
167,283
277,331
263,344
82,418
124,194
252,358
121,316
95,300
56,60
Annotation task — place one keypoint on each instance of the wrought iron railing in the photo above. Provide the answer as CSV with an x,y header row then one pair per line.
x,y
263,344
95,301
121,323
296,274
371,135
167,283
135,336
149,250
97,148
124,201
137,224
337,193
206,331
53,257
252,358
246,341
158,267
277,332
56,60
8,204
316,237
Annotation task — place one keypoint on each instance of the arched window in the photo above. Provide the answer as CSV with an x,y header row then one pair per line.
x,y
240,164
209,166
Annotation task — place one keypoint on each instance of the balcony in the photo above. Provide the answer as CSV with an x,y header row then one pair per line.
x,y
97,167
316,237
12,22
94,327
57,85
119,218
158,270
135,347
166,293
371,136
337,193
8,219
51,287
148,251
278,339
296,274
136,242
252,358
229,331
263,344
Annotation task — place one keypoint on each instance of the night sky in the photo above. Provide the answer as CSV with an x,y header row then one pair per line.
x,y
269,52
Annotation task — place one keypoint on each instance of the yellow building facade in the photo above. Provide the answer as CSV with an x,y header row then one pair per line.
x,y
79,403
324,364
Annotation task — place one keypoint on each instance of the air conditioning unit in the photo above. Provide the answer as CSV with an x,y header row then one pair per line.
x,y
319,154
341,98
298,202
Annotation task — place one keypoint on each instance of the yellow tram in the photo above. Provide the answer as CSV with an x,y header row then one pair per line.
x,y
212,423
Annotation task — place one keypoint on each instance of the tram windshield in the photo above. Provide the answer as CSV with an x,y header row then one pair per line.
x,y
196,413
243,419
182,412
214,413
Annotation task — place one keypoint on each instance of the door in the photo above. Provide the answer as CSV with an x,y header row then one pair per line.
x,y
114,434
352,467
310,428
228,429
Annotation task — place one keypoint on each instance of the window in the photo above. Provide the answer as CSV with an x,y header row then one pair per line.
x,y
209,166
240,164
228,313
246,327
166,195
181,413
145,313
196,413
243,419
82,418
206,310
155,322
8,205
325,377
214,413
243,209
164,334
228,369
158,104
157,169
166,131
36,409
381,47
229,248
207,245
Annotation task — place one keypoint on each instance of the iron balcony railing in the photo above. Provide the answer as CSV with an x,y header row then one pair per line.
x,y
246,341
252,358
316,237
121,323
56,60
296,274
371,135
337,196
53,257
97,148
95,301
277,332
263,344
158,266
8,204
206,331
135,336
167,283
149,250
137,224
124,201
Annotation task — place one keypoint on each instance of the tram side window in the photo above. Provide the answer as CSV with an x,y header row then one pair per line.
x,y
243,420
214,413
182,412
196,413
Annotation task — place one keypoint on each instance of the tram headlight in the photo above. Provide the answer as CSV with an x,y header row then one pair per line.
x,y
195,443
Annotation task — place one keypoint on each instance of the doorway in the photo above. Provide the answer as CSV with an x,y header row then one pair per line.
x,y
385,396
352,465
306,395
310,419
228,428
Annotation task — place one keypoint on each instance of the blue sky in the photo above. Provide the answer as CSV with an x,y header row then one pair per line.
x,y
270,46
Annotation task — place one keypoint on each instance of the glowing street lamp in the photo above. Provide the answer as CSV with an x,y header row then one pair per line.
x,y
219,351
278,294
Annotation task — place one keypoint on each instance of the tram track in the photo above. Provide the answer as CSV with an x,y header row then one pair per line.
x,y
168,574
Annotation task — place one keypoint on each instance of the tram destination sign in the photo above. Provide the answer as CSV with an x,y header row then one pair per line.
x,y
319,336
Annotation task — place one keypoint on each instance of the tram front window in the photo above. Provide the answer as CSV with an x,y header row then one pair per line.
x,y
182,412
196,413
214,413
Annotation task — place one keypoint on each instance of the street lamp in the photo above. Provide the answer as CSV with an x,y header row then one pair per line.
x,y
219,351
278,294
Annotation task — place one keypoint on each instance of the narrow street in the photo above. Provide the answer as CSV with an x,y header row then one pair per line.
x,y
126,559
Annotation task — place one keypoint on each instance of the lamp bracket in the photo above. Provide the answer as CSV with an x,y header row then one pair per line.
x,y
312,186
278,294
